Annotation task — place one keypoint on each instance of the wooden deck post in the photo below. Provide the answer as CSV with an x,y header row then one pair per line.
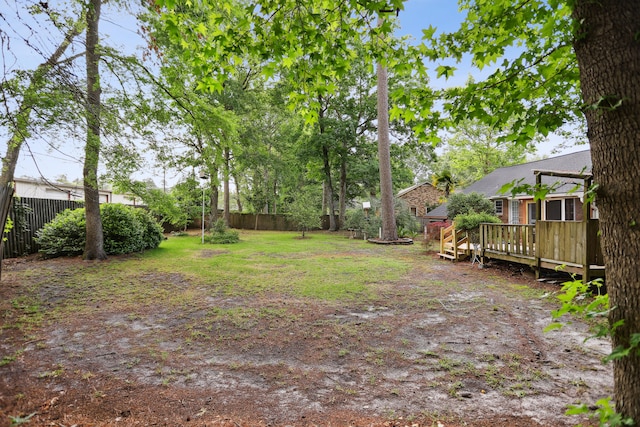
x,y
536,252
589,247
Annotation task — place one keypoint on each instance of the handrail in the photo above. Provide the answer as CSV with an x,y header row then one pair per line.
x,y
455,238
511,239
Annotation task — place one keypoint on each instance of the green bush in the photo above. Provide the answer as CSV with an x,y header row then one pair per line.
x,y
461,204
357,220
122,229
152,231
221,234
407,224
65,235
125,230
471,223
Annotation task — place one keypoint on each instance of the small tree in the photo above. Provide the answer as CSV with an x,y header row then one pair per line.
x,y
305,213
461,204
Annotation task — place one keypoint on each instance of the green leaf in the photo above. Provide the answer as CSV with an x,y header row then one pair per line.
x,y
427,33
445,70
617,353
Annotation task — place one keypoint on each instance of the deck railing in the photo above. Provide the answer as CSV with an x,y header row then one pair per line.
x,y
548,244
454,244
511,239
569,242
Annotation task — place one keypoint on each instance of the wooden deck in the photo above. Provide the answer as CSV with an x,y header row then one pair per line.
x,y
571,246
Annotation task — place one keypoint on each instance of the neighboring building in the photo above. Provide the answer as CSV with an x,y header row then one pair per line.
x,y
419,196
42,189
564,203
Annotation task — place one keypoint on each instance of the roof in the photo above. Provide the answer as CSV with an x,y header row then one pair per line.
x,y
490,185
438,212
413,187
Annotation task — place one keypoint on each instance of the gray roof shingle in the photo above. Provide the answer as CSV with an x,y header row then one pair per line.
x,y
490,185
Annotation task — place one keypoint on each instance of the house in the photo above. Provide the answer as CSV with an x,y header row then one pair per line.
x,y
563,203
419,197
45,189
560,231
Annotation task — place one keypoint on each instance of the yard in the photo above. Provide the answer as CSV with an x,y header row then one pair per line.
x,y
278,330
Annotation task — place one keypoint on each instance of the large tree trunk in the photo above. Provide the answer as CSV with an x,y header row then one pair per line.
x,y
94,247
238,199
325,208
328,182
226,195
342,196
213,200
608,54
389,230
329,187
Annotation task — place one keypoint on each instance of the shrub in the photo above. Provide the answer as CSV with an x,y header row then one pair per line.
x,y
122,230
433,228
471,223
357,220
65,235
408,225
221,234
125,230
461,204
152,231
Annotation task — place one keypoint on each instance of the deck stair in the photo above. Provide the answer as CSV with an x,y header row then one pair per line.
x,y
454,244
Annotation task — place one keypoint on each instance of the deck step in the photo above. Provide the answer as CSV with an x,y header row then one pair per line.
x,y
446,255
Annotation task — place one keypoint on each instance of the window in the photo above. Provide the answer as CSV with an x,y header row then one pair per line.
x,y
553,210
514,211
531,213
497,204
560,210
414,211
569,209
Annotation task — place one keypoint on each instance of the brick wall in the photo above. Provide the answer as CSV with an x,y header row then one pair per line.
x,y
421,196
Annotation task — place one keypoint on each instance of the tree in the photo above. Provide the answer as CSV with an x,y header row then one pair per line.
x,y
609,62
445,181
573,57
304,211
54,103
20,122
314,51
475,149
389,230
94,248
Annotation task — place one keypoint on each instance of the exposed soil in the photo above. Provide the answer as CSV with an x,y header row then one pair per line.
x,y
446,345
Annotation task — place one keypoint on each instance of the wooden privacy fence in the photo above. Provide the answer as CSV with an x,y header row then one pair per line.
x,y
261,222
28,216
274,222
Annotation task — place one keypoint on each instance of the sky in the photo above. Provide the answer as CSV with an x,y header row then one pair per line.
x,y
120,30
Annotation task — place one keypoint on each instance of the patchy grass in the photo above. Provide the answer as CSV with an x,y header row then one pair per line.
x,y
181,273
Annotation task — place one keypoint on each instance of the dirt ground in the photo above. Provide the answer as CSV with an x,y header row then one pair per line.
x,y
446,345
